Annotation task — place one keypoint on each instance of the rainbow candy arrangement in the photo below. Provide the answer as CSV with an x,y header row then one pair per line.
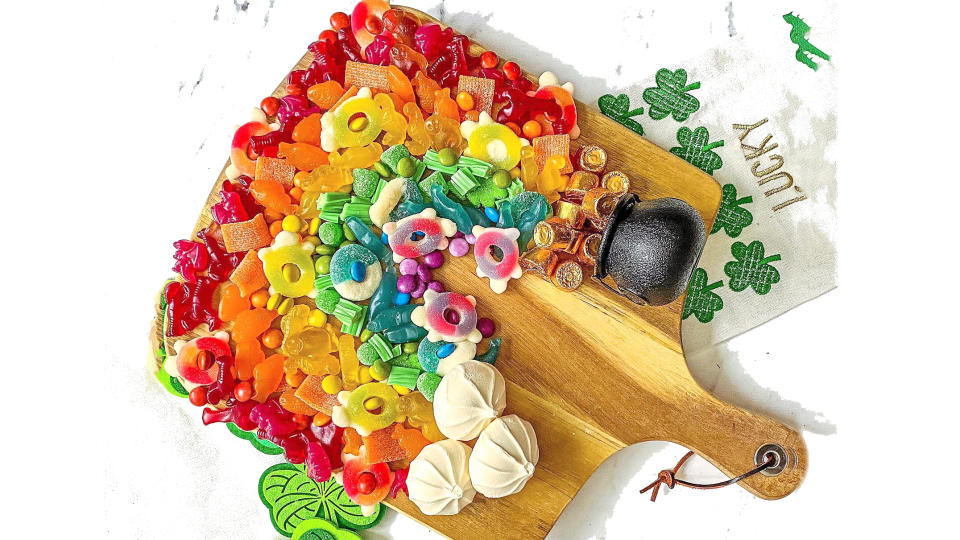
x,y
327,334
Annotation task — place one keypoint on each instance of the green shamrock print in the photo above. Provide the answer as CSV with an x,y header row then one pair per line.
x,y
751,268
618,108
696,149
731,216
701,301
670,96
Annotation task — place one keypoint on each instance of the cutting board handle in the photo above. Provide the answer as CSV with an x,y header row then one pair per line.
x,y
731,439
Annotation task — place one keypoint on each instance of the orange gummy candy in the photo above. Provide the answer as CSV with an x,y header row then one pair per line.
x,y
325,94
303,156
308,131
444,105
381,447
232,303
246,235
290,402
411,440
248,276
444,132
247,355
267,376
250,324
351,441
351,91
400,84
278,170
272,196
311,392
419,141
426,88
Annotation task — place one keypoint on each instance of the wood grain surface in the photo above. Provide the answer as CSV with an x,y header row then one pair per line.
x,y
590,370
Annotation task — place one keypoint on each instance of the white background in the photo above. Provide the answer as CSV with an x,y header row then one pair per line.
x,y
122,115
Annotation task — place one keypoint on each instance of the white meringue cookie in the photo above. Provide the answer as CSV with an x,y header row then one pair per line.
x,y
439,479
504,457
468,398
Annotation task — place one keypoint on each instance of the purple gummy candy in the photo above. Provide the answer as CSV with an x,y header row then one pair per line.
x,y
471,239
407,283
485,326
459,247
435,286
433,260
408,267
457,234
418,292
424,273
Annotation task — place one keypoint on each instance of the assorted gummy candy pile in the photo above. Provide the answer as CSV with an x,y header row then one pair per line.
x,y
327,330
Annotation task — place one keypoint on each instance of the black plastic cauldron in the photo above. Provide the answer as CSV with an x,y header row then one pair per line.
x,y
650,249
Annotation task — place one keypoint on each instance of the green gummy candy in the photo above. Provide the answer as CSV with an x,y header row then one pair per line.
x,y
427,384
327,300
367,353
407,360
391,156
330,234
365,182
403,376
344,258
323,282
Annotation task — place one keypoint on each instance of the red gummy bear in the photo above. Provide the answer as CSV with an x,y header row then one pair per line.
x,y
236,203
191,257
402,26
222,263
318,462
453,62
430,39
330,436
378,51
190,304
520,107
238,413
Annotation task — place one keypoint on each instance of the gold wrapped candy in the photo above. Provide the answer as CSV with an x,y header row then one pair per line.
x,y
592,159
615,181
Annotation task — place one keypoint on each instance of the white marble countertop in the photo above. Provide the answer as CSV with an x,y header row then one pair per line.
x,y
164,83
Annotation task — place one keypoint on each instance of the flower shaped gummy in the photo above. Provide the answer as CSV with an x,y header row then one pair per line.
x,y
448,316
419,234
501,270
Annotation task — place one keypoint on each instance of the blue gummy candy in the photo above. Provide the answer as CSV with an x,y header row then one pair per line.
x,y
358,271
385,239
492,214
402,299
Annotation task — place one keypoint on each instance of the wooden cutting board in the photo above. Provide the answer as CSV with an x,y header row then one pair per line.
x,y
593,372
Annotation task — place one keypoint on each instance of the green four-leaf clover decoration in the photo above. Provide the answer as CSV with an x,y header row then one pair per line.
x,y
618,108
731,216
751,268
670,96
701,301
696,149
294,498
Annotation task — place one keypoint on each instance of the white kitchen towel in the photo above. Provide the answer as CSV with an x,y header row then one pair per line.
x,y
763,122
